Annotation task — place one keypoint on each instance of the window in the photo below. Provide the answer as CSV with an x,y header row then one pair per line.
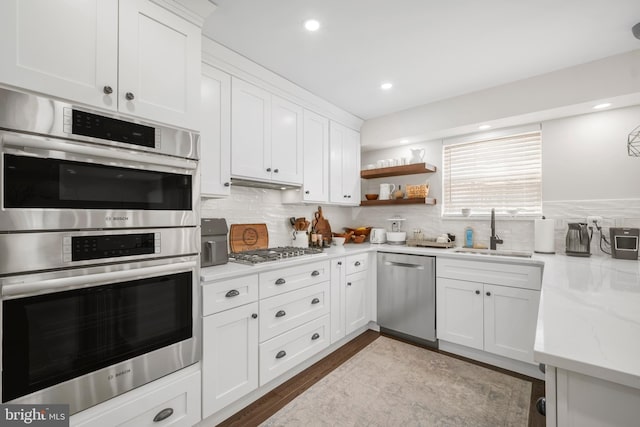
x,y
503,172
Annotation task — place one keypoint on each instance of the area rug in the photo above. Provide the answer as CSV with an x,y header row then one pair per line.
x,y
391,383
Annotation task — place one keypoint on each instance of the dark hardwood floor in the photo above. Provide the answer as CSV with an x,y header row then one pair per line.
x,y
275,400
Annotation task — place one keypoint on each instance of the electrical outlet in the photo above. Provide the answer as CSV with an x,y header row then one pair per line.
x,y
592,219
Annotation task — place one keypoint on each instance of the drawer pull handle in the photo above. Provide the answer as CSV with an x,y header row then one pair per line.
x,y
281,354
488,294
315,336
315,301
254,316
281,313
163,415
477,292
232,293
339,262
357,264
348,283
280,282
315,273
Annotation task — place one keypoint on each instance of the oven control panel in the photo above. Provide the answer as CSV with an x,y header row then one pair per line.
x,y
82,248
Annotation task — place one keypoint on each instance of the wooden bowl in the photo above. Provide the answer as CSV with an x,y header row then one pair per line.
x,y
360,231
359,238
371,196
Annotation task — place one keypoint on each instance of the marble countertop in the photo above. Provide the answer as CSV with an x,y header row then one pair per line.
x,y
589,314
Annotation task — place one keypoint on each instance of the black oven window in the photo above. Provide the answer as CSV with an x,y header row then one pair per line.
x,y
48,339
31,182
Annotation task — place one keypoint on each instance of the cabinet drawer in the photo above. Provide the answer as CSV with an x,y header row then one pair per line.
x,y
287,279
357,263
517,276
289,349
283,312
226,294
178,394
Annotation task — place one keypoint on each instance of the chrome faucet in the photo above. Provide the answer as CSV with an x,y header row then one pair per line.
x,y
494,239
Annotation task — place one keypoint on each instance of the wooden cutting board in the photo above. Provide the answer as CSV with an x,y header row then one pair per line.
x,y
321,225
246,237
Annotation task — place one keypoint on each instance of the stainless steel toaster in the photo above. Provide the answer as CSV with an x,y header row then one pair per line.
x,y
214,242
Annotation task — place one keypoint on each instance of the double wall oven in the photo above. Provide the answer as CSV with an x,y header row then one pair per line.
x,y
99,247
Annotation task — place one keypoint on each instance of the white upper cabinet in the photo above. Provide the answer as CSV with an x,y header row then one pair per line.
x,y
159,55
315,185
344,165
64,49
215,132
131,56
266,134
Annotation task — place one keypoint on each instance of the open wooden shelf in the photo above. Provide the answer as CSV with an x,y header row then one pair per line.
x,y
417,201
413,169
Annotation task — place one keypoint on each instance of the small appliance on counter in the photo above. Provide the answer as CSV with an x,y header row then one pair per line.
x,y
378,235
214,242
624,242
396,236
578,240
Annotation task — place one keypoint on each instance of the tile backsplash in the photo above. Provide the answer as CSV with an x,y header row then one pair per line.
x,y
255,205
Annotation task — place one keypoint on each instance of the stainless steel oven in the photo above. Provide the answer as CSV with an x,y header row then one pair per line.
x,y
66,167
87,326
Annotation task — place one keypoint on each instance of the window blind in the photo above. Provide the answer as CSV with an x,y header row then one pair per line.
x,y
504,173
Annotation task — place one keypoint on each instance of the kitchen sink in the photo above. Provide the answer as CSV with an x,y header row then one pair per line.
x,y
495,252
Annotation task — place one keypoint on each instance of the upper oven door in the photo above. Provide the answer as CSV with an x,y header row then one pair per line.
x,y
52,184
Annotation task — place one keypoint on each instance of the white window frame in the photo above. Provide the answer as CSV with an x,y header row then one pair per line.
x,y
473,169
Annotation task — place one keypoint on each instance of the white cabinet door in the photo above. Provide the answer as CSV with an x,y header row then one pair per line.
x,y
250,131
460,312
338,295
229,357
64,49
510,316
215,132
357,313
344,165
315,184
286,141
159,63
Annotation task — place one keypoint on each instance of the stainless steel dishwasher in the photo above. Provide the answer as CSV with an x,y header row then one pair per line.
x,y
407,296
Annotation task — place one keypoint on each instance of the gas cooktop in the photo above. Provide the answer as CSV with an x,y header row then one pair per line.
x,y
271,254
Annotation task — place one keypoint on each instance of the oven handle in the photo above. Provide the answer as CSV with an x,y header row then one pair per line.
x,y
18,290
41,143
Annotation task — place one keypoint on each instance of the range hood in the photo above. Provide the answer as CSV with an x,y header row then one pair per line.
x,y
261,184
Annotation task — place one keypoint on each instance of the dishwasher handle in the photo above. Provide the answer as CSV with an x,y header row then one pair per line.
x,y
404,264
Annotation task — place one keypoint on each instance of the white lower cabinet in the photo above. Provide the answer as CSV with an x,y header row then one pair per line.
x,y
495,318
350,305
356,304
229,357
174,398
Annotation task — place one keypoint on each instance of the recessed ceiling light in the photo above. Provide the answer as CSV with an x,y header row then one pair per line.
x,y
312,25
484,127
386,86
601,106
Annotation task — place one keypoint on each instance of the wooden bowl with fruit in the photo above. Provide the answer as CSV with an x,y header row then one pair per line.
x,y
360,231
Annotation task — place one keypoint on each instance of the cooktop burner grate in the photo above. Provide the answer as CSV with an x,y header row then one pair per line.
x,y
271,254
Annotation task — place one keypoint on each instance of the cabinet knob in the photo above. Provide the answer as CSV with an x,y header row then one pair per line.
x,y
268,169
130,96
306,192
315,301
281,354
163,415
315,273
254,316
488,294
344,197
276,171
349,196
227,184
280,282
477,292
315,336
357,263
108,90
281,313
339,262
541,406
232,293
348,283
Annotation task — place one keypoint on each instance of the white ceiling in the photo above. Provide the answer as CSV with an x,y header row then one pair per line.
x,y
430,50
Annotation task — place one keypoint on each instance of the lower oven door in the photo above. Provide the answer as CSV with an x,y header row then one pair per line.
x,y
82,336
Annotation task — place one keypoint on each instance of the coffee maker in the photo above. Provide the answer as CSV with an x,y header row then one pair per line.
x,y
578,240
